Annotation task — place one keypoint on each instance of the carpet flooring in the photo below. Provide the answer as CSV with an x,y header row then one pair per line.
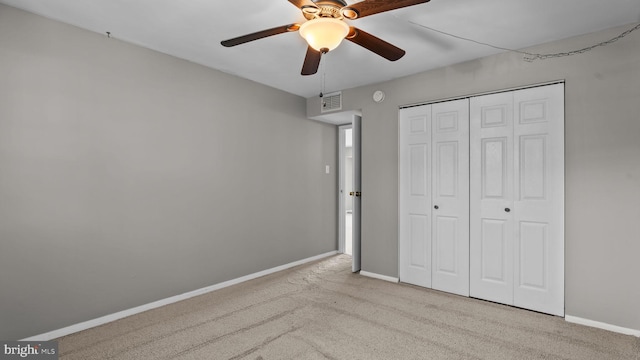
x,y
323,311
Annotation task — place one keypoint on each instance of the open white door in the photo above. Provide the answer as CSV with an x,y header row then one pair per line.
x,y
357,124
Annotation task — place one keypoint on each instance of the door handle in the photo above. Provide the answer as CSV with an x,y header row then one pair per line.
x,y
351,193
507,210
436,207
357,193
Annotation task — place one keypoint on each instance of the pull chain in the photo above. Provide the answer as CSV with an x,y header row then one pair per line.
x,y
323,77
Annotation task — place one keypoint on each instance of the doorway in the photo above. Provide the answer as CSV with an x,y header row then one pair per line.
x,y
346,158
346,188
349,190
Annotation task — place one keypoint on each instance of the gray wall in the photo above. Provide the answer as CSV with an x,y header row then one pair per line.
x,y
128,176
602,162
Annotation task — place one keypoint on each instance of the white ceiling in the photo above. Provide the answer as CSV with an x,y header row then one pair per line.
x,y
193,29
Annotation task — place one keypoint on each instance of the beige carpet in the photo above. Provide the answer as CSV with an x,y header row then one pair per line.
x,y
323,311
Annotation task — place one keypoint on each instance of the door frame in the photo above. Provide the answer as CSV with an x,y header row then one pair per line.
x,y
355,246
356,218
342,186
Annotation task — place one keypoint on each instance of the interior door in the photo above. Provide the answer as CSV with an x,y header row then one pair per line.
x,y
415,195
450,196
357,188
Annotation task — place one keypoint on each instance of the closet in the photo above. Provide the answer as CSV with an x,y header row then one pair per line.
x,y
481,209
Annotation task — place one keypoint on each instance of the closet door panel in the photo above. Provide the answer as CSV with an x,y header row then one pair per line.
x,y
539,199
415,196
450,199
494,258
491,197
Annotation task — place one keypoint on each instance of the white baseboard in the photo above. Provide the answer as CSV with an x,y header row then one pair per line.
x,y
601,325
380,277
156,304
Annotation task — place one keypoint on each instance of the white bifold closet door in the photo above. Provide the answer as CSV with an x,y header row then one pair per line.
x,y
434,196
517,198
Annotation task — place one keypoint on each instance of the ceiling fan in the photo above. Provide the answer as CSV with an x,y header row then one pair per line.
x,y
325,28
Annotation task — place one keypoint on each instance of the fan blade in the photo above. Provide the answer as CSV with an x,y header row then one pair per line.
x,y
371,7
311,61
260,34
372,43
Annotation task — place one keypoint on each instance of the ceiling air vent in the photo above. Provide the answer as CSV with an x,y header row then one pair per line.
x,y
331,102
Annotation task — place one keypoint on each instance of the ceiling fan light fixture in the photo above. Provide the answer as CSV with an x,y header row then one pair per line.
x,y
310,9
349,13
324,33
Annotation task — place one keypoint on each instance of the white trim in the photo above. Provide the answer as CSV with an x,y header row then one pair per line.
x,y
170,300
482,94
379,277
601,325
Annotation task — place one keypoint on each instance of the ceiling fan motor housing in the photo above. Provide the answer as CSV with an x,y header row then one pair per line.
x,y
326,8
